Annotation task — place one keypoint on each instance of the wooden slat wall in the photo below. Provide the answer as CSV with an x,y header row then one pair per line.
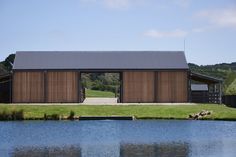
x,y
172,86
138,87
181,90
62,87
163,86
28,87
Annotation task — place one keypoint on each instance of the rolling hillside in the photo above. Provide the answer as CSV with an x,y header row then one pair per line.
x,y
225,71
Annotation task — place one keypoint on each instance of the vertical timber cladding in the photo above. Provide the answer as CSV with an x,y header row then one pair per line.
x,y
138,86
62,86
28,87
172,86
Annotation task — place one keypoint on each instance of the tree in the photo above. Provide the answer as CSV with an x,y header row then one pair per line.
x,y
8,63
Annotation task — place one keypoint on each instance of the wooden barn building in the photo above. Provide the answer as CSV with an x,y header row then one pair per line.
x,y
145,76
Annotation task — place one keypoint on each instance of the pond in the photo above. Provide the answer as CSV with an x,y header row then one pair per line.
x,y
141,138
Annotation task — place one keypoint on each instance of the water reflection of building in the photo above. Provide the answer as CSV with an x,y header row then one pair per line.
x,y
154,150
47,152
126,150
100,150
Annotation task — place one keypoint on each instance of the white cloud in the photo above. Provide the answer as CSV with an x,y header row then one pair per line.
x,y
220,17
178,33
198,30
202,29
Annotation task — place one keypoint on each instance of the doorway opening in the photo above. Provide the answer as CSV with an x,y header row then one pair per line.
x,y
100,87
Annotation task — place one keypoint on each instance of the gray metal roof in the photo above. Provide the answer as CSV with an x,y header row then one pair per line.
x,y
199,87
96,60
204,78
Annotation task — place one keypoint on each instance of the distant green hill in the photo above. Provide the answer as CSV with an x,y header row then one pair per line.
x,y
225,71
231,90
217,70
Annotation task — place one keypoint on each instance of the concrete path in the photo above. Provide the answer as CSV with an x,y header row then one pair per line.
x,y
100,101
103,101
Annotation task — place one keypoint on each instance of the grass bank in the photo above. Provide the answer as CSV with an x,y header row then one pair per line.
x,y
220,112
99,94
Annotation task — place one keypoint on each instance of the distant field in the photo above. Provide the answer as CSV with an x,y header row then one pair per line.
x,y
220,112
99,94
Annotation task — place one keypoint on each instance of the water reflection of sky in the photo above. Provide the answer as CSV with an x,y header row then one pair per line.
x,y
118,138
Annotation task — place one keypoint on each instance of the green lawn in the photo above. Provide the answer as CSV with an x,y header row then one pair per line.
x,y
220,112
97,93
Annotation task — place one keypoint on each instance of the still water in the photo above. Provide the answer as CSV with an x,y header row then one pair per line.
x,y
142,138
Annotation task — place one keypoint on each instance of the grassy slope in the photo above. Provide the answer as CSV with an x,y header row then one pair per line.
x,y
229,84
231,90
96,93
140,111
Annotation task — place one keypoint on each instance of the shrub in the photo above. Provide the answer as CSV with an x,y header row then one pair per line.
x,y
4,115
45,116
13,115
55,116
51,117
72,115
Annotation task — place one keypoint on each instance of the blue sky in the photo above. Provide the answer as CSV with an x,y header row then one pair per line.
x,y
208,27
